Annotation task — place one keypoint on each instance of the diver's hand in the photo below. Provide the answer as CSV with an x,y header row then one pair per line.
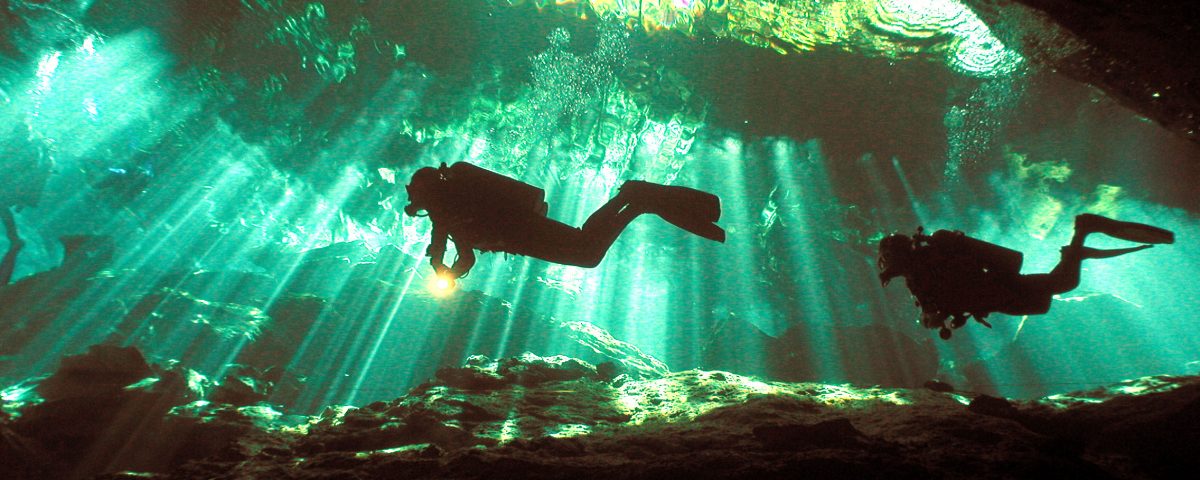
x,y
440,269
447,272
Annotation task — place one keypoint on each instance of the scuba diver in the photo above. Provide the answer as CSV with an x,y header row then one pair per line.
x,y
27,161
955,276
481,209
8,263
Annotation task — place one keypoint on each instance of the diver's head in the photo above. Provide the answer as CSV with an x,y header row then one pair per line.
x,y
423,190
895,251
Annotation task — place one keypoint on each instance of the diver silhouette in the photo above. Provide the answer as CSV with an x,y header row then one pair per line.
x,y
484,210
26,160
9,262
955,276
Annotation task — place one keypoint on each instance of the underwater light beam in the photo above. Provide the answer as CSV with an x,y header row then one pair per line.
x,y
383,333
82,315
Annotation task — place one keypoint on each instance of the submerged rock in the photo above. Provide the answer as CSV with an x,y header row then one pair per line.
x,y
245,385
527,370
108,410
556,417
103,371
992,406
836,433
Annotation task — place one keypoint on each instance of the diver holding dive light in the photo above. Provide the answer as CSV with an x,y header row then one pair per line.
x,y
483,210
953,276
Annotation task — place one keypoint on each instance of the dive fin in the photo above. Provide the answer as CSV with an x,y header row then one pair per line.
x,y
704,229
707,206
1131,231
1109,253
703,206
686,208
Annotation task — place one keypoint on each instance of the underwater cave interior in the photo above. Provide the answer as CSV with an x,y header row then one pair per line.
x,y
220,185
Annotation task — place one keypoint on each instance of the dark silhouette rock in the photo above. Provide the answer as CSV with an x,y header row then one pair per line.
x,y
103,371
837,433
992,406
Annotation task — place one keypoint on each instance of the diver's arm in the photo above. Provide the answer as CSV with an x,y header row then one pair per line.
x,y
437,248
465,260
886,276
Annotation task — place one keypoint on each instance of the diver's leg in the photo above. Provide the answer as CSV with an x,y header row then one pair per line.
x,y
1034,292
687,208
609,216
557,242
602,229
1063,278
586,246
1038,289
9,263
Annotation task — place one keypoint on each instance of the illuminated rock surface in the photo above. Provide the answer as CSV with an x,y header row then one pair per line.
x,y
1136,53
936,29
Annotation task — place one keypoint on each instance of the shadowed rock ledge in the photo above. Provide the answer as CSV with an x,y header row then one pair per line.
x,y
1140,53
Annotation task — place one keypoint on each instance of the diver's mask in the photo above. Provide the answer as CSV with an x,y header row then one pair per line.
x,y
893,252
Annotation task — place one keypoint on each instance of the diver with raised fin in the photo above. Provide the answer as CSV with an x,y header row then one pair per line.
x,y
8,263
955,276
26,160
484,210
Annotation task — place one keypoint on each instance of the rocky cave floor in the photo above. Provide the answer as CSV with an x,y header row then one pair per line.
x,y
109,414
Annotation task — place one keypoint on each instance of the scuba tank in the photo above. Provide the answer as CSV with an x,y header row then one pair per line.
x,y
506,193
958,278
994,258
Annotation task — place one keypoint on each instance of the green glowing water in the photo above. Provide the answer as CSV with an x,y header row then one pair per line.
x,y
246,159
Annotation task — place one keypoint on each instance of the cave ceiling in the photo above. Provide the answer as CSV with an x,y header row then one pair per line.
x,y
1139,53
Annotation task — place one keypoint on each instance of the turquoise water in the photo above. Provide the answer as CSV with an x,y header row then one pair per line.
x,y
245,161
